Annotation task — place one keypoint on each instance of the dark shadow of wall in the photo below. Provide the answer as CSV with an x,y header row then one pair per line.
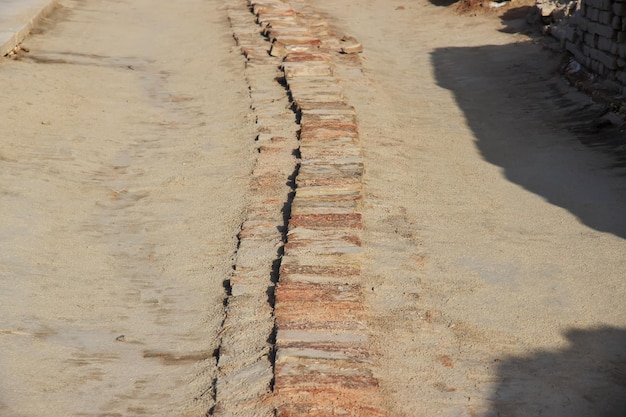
x,y
586,379
527,121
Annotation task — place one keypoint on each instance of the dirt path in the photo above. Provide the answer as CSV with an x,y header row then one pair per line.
x,y
480,274
125,153
496,237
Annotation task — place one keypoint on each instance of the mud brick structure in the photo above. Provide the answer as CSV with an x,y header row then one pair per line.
x,y
597,39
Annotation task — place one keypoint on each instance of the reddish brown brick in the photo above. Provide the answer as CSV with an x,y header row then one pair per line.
x,y
270,10
321,134
288,268
318,292
296,239
306,56
350,220
321,403
330,125
317,382
298,315
325,181
288,40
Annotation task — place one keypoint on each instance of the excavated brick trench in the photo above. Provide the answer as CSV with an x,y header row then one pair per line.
x,y
295,340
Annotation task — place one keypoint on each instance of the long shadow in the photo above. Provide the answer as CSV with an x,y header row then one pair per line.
x,y
527,121
585,379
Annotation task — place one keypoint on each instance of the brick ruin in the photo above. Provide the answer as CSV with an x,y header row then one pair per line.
x,y
596,36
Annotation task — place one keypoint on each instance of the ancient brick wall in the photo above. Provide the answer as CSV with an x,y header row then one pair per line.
x,y
597,38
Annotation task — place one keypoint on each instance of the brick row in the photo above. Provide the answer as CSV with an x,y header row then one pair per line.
x,y
323,357
245,368
323,354
596,38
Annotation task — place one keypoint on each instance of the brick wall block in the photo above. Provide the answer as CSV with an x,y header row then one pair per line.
x,y
621,76
592,14
616,22
619,9
605,17
602,30
599,4
590,40
604,58
604,44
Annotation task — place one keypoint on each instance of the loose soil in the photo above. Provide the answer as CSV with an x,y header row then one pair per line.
x,y
125,154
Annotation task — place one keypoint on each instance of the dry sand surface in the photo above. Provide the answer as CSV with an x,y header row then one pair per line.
x,y
496,238
125,154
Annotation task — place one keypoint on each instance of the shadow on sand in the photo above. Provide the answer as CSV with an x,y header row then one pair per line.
x,y
585,379
527,121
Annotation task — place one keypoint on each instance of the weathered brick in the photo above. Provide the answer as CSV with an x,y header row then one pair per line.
x,y
592,13
345,199
349,167
330,108
313,292
323,134
291,266
619,9
331,125
327,241
607,60
306,57
271,10
285,337
323,405
602,30
327,193
315,382
604,44
605,17
328,351
590,39
346,402
599,4
306,69
352,220
313,181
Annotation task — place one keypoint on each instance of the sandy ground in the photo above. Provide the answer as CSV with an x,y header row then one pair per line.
x,y
125,156
496,238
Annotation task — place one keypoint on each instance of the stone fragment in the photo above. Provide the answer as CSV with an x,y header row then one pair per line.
x,y
354,48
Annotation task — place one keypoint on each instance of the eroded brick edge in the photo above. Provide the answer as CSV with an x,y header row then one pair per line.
x,y
321,355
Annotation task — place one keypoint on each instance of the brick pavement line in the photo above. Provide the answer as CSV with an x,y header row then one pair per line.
x,y
323,360
323,357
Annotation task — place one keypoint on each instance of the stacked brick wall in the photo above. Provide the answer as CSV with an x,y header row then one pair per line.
x,y
597,39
